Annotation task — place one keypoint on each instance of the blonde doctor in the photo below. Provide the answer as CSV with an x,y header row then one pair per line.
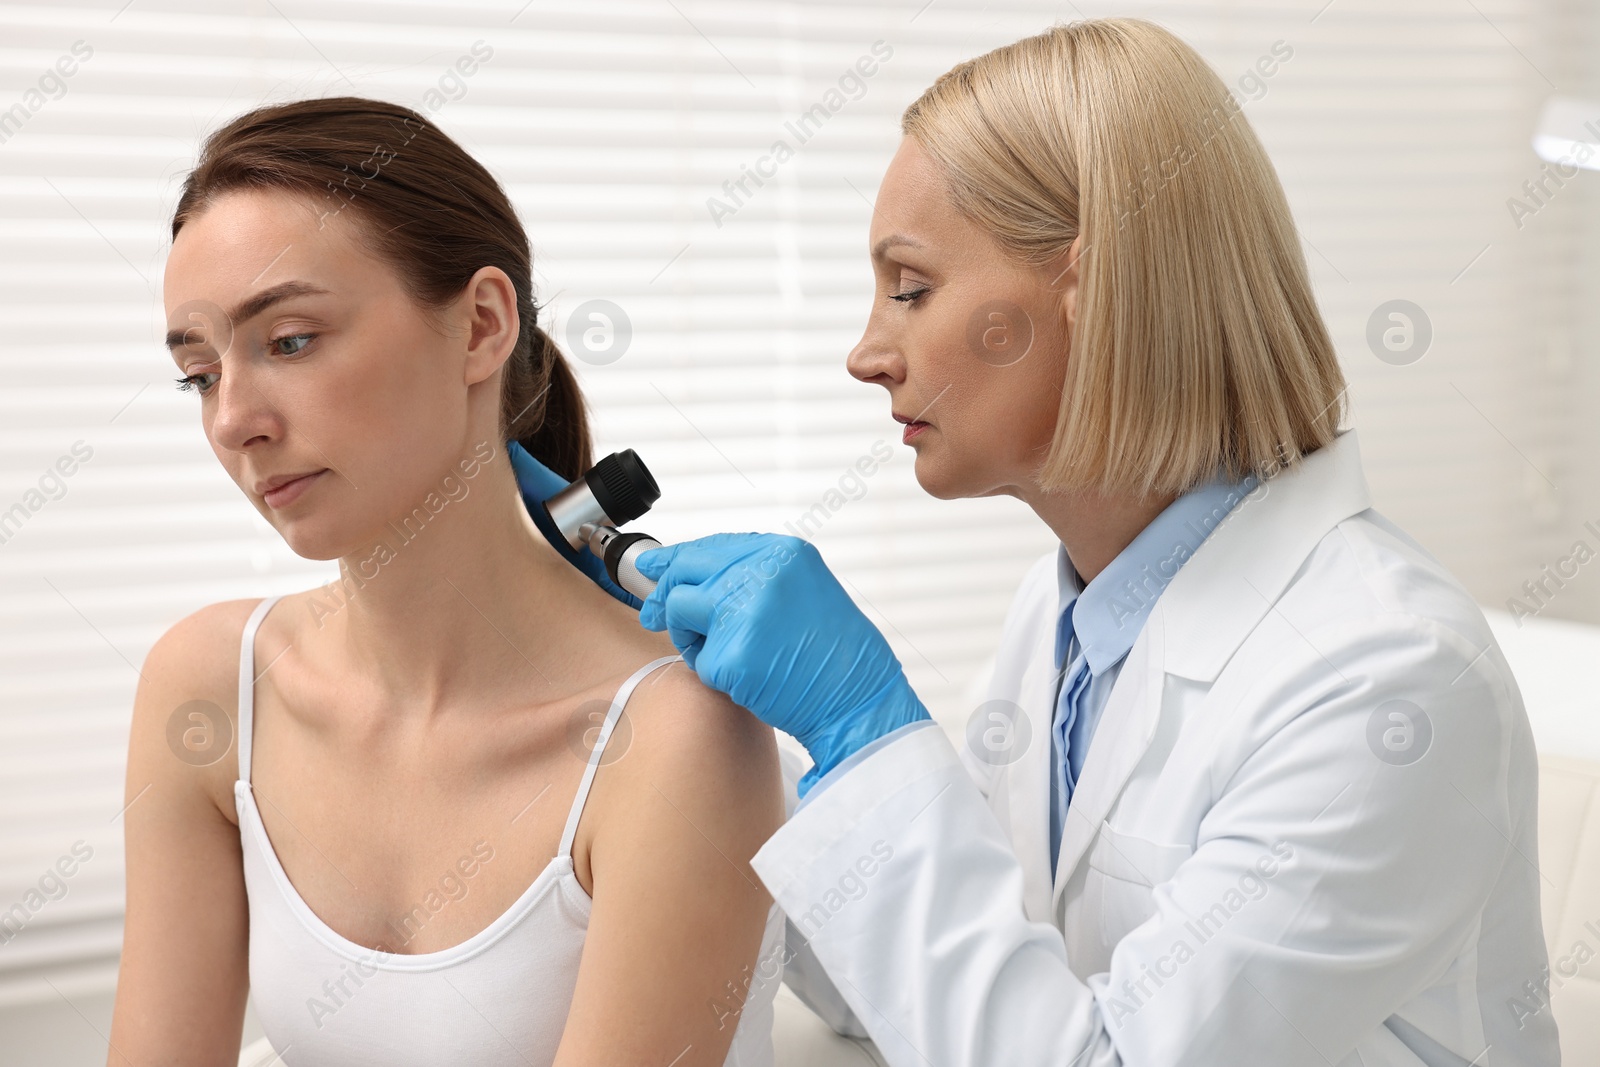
x,y
1254,784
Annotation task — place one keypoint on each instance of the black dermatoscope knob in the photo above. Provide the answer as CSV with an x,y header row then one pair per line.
x,y
614,491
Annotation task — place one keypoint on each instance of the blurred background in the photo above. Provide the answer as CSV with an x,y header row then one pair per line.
x,y
709,321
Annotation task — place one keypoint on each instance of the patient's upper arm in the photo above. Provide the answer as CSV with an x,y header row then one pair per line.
x,y
678,912
184,971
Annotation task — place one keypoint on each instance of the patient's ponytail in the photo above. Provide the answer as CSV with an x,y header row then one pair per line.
x,y
541,407
431,210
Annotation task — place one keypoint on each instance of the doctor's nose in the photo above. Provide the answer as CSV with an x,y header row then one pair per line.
x,y
873,361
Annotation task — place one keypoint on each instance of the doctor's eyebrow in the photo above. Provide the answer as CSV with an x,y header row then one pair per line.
x,y
891,241
253,306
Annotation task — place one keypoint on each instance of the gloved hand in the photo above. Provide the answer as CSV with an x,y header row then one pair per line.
x,y
761,618
538,483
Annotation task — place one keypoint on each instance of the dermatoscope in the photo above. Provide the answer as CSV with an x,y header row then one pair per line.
x,y
614,491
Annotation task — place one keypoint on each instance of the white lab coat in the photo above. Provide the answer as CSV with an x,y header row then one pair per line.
x,y
1271,857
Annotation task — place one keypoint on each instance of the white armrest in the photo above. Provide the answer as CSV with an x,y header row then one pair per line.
x,y
801,1039
258,1054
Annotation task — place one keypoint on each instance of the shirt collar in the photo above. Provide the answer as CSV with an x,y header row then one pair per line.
x,y
1107,614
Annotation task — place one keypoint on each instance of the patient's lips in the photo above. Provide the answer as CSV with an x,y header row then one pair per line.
x,y
284,489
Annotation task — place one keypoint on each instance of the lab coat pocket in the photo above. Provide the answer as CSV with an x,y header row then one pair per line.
x,y
1123,871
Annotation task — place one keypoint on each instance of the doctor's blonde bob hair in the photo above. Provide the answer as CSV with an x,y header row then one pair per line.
x,y
1197,342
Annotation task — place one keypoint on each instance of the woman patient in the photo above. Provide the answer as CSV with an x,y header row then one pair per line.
x,y
404,811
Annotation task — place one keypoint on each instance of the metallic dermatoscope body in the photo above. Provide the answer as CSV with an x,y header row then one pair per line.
x,y
613,492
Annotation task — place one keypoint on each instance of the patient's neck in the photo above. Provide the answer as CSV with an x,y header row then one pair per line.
x,y
471,593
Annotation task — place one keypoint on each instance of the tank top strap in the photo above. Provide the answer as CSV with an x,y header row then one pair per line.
x,y
247,682
613,713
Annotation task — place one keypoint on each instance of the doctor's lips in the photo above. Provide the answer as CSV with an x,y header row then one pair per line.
x,y
913,427
281,490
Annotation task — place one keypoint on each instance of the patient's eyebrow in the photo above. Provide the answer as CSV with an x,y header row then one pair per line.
x,y
254,306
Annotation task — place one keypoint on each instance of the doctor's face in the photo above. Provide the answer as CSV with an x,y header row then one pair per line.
x,y
969,343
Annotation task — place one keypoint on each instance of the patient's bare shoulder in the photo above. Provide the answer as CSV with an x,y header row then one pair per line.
x,y
678,716
191,674
678,917
691,763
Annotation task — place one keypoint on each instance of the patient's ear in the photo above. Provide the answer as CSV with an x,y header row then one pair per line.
x,y
488,306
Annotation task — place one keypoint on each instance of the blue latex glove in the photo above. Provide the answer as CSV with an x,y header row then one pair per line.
x,y
761,618
538,483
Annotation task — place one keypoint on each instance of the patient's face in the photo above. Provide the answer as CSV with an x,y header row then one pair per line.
x,y
976,344
339,373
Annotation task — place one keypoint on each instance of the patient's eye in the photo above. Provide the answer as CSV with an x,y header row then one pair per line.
x,y
193,381
292,344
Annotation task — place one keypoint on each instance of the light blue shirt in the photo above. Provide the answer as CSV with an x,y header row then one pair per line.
x,y
1098,624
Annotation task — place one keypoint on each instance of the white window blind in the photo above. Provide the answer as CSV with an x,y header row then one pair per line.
x,y
627,132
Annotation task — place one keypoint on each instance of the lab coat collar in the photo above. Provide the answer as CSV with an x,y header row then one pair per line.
x,y
1201,619
1107,614
1230,584
1068,587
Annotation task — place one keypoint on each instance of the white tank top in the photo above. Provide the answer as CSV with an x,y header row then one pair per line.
x,y
499,997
